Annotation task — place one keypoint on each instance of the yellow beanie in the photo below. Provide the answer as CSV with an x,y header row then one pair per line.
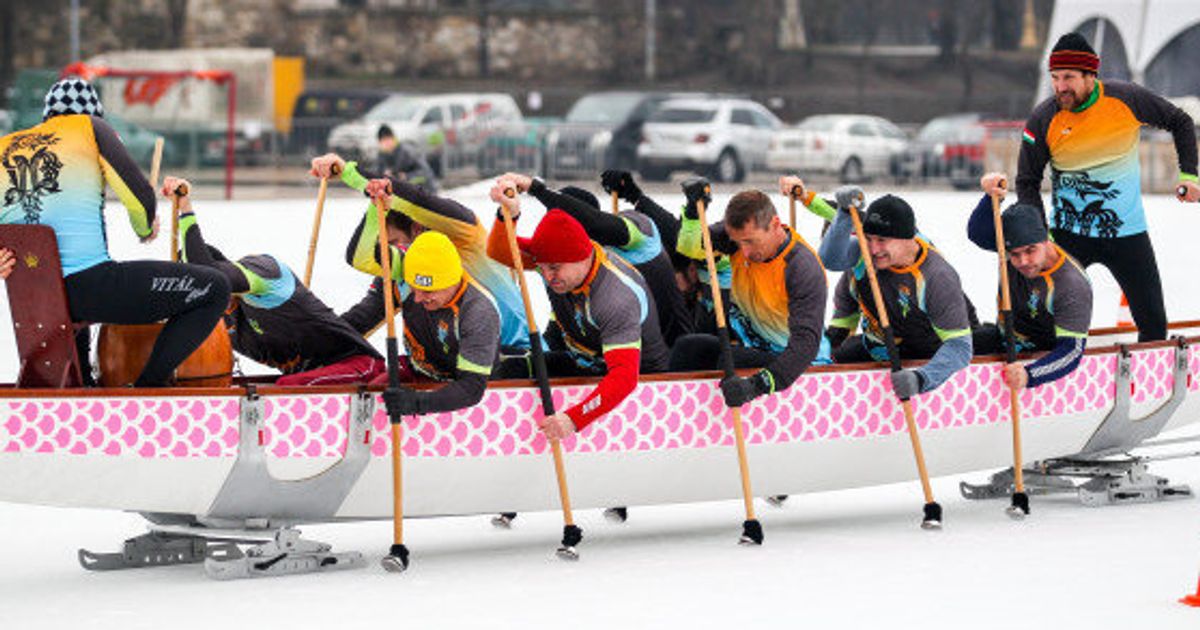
x,y
432,263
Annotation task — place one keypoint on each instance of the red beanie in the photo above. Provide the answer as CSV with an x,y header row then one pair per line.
x,y
559,238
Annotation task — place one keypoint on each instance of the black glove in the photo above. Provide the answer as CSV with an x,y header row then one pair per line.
x,y
738,391
907,383
621,182
696,189
401,401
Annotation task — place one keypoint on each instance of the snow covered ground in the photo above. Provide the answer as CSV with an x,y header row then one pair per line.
x,y
853,559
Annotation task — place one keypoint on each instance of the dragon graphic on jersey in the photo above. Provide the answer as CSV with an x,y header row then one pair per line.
x,y
33,171
1094,216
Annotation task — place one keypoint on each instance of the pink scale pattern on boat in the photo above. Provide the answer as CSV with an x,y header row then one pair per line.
x,y
657,415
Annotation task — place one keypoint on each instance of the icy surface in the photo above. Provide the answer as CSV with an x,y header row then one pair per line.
x,y
853,559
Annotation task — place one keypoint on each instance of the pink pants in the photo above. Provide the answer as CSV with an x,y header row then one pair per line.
x,y
360,368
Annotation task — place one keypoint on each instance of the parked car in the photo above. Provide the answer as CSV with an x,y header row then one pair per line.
x,y
601,131
317,112
853,147
430,122
724,137
953,147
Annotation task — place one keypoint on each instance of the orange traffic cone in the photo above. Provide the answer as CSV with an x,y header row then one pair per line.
x,y
1124,317
1192,600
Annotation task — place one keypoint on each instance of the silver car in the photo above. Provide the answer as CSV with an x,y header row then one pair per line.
x,y
724,138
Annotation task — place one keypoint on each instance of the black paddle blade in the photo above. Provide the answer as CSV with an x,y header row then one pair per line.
x,y
933,516
752,533
572,535
1020,506
397,559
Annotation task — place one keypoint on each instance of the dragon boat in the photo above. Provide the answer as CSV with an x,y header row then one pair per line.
x,y
216,468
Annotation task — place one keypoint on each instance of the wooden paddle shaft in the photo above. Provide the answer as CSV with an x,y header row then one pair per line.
x,y
1006,309
389,309
156,163
881,310
739,432
615,207
560,471
316,231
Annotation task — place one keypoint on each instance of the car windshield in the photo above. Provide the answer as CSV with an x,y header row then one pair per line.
x,y
603,108
394,109
816,123
955,129
682,115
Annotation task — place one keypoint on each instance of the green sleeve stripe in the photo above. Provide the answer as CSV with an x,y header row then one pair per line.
x,y
1188,177
364,249
258,284
352,178
848,322
635,345
947,335
1063,332
769,378
139,218
822,209
690,242
467,366
185,223
635,235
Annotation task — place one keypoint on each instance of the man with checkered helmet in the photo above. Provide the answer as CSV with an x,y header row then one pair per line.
x,y
57,171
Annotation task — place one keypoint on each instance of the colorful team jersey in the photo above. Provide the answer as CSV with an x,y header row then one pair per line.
x,y
924,301
460,338
1093,155
1056,304
463,229
56,176
612,309
276,320
777,305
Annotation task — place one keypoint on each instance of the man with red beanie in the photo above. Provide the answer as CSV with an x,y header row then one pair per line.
x,y
1088,132
600,302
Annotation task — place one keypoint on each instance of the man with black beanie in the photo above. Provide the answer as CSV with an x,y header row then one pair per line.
x,y
1088,132
923,297
1050,293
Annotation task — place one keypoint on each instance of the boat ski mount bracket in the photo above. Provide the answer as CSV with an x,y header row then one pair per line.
x,y
1104,479
254,508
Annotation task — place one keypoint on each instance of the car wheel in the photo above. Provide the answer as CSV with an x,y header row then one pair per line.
x,y
654,173
852,171
728,168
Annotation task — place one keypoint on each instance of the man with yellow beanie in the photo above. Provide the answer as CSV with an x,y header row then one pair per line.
x,y
451,329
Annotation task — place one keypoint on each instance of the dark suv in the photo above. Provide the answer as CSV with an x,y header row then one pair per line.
x,y
601,131
317,112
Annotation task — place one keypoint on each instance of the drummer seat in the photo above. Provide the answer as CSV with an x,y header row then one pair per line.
x,y
37,299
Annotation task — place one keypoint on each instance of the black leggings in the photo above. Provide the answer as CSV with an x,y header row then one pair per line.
x,y
190,297
1131,261
703,352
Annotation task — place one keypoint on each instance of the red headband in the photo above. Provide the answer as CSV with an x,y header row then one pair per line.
x,y
1074,60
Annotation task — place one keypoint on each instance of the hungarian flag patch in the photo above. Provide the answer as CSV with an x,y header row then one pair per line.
x,y
1028,137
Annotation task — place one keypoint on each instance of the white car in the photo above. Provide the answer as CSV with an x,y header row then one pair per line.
x,y
430,122
722,137
853,147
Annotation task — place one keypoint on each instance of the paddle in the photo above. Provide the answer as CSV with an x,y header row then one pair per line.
x,y
1020,501
572,534
933,511
614,203
396,560
316,228
752,532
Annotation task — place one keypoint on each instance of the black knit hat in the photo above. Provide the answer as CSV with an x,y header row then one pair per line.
x,y
1073,52
1024,225
890,217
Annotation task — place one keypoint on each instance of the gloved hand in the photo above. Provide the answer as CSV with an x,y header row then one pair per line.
x,y
738,391
401,401
906,383
696,189
622,183
850,196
